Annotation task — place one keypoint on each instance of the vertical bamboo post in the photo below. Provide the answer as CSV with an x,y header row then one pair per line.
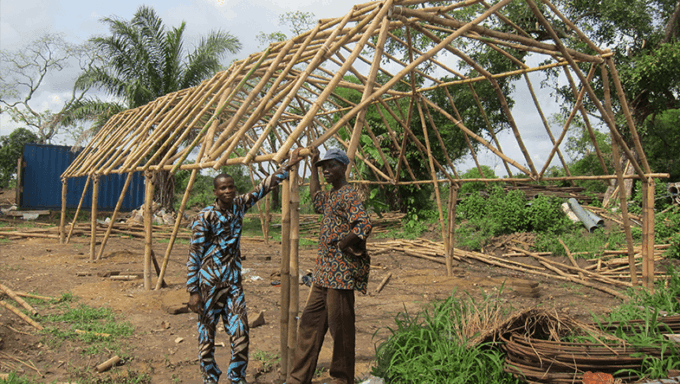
x,y
80,204
148,223
285,269
645,235
622,191
293,308
175,230
449,267
113,216
93,219
649,219
62,221
451,243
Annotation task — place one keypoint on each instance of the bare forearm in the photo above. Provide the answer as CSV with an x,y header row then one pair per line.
x,y
314,185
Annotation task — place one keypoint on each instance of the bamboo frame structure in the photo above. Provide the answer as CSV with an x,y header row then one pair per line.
x,y
379,82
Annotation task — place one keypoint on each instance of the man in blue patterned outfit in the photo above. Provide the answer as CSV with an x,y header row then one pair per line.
x,y
342,266
214,272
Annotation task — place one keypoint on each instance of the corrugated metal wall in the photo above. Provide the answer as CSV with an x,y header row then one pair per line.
x,y
41,183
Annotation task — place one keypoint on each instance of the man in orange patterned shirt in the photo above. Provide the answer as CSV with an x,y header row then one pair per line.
x,y
342,266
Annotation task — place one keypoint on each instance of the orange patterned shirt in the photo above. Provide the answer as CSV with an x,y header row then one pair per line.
x,y
343,212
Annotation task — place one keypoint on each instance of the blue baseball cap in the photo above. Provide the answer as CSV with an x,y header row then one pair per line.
x,y
333,154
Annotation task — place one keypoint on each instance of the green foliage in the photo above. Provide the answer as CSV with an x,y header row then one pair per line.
x,y
546,213
661,142
11,148
473,173
503,213
644,302
201,194
430,347
581,243
268,359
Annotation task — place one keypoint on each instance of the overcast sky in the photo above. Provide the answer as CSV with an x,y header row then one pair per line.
x,y
21,21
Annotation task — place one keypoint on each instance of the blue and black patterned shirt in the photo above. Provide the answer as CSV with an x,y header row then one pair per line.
x,y
215,251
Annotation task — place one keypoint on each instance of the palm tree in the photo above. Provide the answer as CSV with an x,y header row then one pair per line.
x,y
143,61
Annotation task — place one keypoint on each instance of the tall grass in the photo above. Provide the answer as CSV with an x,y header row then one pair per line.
x,y
436,345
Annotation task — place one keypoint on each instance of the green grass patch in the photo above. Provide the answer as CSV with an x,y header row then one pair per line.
x,y
94,322
432,346
581,243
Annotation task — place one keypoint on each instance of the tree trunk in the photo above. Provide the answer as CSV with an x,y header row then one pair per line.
x,y
164,193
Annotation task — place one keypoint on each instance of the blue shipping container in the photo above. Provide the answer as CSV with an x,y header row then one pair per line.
x,y
41,182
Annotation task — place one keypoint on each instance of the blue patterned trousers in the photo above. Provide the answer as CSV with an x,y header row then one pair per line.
x,y
226,300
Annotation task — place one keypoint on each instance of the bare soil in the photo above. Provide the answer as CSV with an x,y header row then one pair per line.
x,y
44,267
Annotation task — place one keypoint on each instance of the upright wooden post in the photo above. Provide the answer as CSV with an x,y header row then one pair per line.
x,y
148,224
285,269
175,230
62,221
93,219
623,198
645,235
649,222
294,263
80,204
115,213
451,239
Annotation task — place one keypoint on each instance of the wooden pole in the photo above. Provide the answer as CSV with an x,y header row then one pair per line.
x,y
62,221
649,219
285,281
294,263
21,315
622,190
434,178
175,230
453,198
93,219
80,204
645,236
18,299
148,231
368,89
115,213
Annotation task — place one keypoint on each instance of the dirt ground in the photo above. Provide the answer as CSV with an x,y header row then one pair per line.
x,y
45,267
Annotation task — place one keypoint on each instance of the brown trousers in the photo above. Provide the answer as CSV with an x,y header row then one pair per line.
x,y
326,309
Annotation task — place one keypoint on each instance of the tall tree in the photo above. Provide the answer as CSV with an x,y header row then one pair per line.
x,y
145,61
24,73
11,147
644,36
